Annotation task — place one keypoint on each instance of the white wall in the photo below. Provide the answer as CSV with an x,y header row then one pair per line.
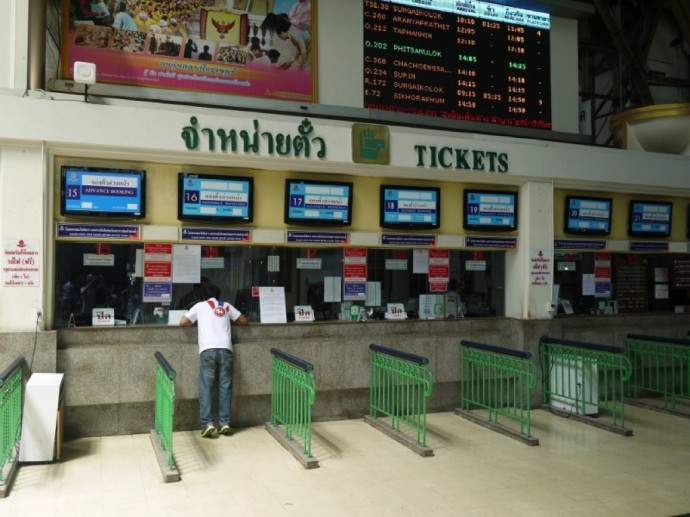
x,y
23,216
13,44
564,76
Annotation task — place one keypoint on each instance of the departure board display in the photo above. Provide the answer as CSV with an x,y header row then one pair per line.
x,y
464,60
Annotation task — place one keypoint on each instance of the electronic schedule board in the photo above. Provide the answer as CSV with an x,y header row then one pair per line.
x,y
465,60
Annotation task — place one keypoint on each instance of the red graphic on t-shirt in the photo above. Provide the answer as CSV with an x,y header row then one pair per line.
x,y
220,311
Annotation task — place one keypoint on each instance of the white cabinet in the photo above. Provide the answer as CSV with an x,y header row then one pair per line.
x,y
40,417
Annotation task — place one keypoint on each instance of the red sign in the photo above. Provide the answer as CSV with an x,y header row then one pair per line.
x,y
355,272
438,287
439,273
158,248
355,253
157,269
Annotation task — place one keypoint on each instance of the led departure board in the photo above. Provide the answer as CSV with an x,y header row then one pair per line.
x,y
464,60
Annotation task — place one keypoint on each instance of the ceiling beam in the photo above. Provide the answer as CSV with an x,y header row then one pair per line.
x,y
638,74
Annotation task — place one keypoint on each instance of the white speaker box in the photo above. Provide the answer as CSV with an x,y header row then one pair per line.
x,y
84,73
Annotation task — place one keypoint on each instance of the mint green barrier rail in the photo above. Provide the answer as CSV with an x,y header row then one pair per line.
x,y
10,413
165,405
499,380
293,393
660,366
584,377
400,385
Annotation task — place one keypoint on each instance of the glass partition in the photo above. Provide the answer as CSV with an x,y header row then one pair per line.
x,y
90,276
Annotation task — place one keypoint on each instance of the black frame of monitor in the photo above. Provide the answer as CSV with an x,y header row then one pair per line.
x,y
409,225
489,227
317,222
114,171
214,218
585,231
634,233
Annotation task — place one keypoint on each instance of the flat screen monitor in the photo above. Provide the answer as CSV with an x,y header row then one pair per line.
x,y
650,218
490,210
588,215
102,192
410,207
318,203
215,199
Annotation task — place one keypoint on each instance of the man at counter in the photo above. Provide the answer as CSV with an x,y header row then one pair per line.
x,y
214,318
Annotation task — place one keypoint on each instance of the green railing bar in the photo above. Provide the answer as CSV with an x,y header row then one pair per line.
x,y
165,405
400,385
563,359
10,412
498,380
660,366
293,393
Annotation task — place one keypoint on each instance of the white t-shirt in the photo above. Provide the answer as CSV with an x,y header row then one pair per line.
x,y
213,318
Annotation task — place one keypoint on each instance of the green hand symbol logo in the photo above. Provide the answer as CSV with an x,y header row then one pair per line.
x,y
370,147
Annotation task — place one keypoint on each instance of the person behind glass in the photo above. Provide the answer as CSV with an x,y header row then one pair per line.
x,y
213,318
197,294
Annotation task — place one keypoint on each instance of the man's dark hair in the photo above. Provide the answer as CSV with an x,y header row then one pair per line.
x,y
212,291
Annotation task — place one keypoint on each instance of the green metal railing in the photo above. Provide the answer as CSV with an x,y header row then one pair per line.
x,y
165,405
10,413
400,385
660,366
584,377
292,396
499,380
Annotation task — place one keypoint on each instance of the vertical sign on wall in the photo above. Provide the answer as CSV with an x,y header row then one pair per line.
x,y
158,273
439,270
355,273
21,263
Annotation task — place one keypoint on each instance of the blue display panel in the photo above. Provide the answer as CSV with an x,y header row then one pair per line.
x,y
410,207
650,218
490,210
588,215
322,203
103,192
215,198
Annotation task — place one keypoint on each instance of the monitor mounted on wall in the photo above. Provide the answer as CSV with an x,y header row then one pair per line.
x,y
215,198
318,203
410,207
102,192
650,218
587,215
490,210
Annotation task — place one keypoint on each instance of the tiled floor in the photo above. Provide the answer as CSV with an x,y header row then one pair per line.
x,y
577,470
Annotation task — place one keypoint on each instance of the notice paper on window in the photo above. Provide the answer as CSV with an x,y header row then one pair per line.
x,y
272,304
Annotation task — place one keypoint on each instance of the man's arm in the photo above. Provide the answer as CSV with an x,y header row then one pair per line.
x,y
186,322
242,320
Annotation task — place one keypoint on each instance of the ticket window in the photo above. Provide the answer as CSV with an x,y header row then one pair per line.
x,y
109,276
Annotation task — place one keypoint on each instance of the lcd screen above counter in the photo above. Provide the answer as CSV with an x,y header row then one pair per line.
x,y
410,207
588,216
102,192
318,203
490,210
650,219
215,198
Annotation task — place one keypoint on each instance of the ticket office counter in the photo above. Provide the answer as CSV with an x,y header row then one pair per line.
x,y
594,283
90,275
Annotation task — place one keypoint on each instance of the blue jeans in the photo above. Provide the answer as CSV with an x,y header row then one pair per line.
x,y
215,363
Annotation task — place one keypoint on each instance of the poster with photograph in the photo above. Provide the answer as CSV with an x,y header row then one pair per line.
x,y
257,48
